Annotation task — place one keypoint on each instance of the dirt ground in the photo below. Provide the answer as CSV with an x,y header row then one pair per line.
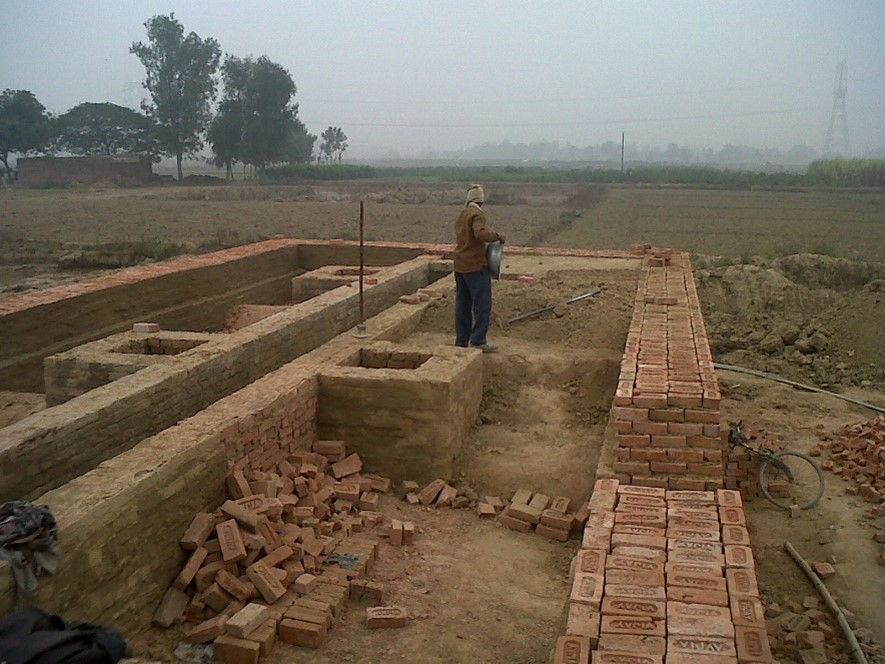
x,y
478,592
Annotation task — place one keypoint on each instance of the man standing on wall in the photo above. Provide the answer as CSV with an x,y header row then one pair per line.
x,y
473,279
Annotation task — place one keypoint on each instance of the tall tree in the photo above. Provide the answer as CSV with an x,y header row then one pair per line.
x,y
340,142
90,129
334,144
257,121
181,80
299,144
24,125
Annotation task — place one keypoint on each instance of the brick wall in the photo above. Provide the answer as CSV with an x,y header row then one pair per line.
x,y
666,407
120,524
56,445
193,293
122,170
404,412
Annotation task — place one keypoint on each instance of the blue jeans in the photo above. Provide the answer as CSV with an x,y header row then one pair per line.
x,y
473,307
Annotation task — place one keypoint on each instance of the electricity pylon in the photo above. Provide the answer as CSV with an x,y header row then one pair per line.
x,y
837,133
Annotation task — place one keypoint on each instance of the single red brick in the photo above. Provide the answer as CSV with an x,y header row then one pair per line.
x,y
513,523
231,650
300,633
697,596
631,625
634,577
752,644
649,492
701,645
625,606
385,616
198,531
590,561
583,620
634,643
701,568
747,612
632,591
552,533
735,535
572,650
623,657
698,620
207,631
587,589
823,570
171,607
742,582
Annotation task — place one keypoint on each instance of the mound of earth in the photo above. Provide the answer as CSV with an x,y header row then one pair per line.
x,y
813,319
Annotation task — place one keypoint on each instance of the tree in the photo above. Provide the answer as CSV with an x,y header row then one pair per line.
x,y
257,122
181,80
334,144
299,144
107,129
24,125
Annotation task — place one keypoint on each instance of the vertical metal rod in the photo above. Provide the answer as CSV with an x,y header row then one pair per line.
x,y
362,264
622,152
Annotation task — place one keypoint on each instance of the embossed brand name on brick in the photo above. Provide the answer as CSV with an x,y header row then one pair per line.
x,y
627,605
701,645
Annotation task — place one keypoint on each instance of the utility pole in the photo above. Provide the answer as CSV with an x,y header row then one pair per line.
x,y
838,129
622,152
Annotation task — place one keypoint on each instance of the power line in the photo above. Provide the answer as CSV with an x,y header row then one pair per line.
x,y
549,100
574,123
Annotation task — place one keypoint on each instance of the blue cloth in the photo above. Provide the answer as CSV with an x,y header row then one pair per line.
x,y
473,307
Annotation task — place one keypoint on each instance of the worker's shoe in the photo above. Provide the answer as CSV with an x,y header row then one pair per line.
x,y
487,348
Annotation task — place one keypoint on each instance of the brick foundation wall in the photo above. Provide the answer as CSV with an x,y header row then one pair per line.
x,y
56,445
666,407
120,524
193,293
405,412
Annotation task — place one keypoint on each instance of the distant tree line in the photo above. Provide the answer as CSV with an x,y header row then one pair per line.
x,y
730,155
829,173
255,123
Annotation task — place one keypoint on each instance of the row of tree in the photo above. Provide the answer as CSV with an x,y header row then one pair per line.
x,y
256,121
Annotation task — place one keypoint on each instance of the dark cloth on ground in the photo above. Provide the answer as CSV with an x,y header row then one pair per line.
x,y
29,541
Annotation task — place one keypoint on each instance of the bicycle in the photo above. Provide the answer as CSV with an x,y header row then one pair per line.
x,y
786,478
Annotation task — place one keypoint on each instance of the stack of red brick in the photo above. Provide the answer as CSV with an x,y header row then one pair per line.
x,y
282,557
742,469
548,517
664,576
860,456
666,406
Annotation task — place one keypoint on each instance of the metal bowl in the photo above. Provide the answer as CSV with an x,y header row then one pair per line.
x,y
494,254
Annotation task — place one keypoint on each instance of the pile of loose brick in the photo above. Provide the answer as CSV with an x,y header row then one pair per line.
x,y
858,455
664,576
282,557
806,632
666,406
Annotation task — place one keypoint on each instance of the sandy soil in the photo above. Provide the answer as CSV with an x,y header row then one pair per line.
x,y
477,592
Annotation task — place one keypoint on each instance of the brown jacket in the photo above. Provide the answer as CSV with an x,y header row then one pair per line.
x,y
471,238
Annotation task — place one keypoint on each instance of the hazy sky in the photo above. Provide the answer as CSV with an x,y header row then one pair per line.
x,y
405,75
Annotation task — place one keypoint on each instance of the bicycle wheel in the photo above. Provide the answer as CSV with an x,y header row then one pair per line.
x,y
791,478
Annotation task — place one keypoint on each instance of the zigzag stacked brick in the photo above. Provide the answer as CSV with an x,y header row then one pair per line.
x,y
666,407
664,576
